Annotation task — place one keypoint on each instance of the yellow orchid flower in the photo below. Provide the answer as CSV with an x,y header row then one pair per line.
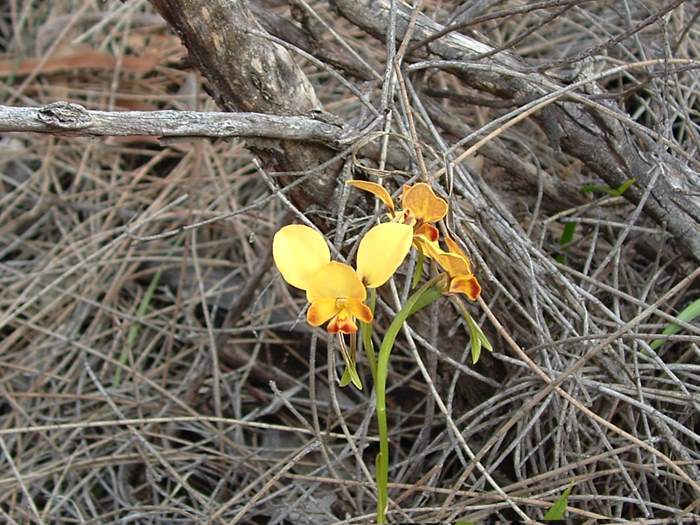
x,y
457,265
421,207
335,290
422,203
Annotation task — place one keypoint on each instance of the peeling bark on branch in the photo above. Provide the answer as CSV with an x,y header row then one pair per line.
x,y
601,142
73,119
249,73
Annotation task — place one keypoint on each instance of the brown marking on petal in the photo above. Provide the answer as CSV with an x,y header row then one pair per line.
x,y
429,231
346,326
333,327
468,285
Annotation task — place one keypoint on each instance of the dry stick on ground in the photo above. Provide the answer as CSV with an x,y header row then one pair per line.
x,y
601,142
69,119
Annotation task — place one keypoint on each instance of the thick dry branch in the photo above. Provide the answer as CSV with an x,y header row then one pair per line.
x,y
247,72
589,132
65,118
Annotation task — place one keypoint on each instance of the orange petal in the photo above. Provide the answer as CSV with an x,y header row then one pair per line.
x,y
375,189
335,280
468,285
422,202
320,311
359,309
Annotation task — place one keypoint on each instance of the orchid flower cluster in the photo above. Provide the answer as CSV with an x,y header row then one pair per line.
x,y
337,292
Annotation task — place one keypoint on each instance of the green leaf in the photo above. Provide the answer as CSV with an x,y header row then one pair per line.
x,y
566,237
622,188
427,298
346,379
688,314
477,338
568,234
558,509
350,374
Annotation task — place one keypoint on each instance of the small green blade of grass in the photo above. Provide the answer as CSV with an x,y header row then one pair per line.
x,y
566,237
558,509
688,314
135,329
613,192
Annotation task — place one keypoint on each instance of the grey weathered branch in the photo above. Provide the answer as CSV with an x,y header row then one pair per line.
x,y
588,132
247,72
325,50
66,118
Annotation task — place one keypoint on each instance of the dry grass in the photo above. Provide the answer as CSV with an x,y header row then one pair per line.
x,y
136,389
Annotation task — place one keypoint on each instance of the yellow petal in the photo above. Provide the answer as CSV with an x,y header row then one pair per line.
x,y
359,309
454,247
299,251
453,264
381,252
422,202
320,311
468,285
335,280
429,248
375,189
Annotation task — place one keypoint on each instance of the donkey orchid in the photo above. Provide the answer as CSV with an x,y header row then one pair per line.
x,y
421,208
335,290
456,264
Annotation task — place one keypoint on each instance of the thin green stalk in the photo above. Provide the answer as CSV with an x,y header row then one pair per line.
x,y
135,329
418,271
425,295
366,334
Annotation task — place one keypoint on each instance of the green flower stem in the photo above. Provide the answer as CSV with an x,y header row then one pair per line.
x,y
425,295
366,334
418,271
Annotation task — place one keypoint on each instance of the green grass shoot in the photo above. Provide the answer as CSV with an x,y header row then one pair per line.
x,y
687,315
558,509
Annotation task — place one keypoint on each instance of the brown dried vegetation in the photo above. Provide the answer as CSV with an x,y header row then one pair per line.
x,y
155,369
